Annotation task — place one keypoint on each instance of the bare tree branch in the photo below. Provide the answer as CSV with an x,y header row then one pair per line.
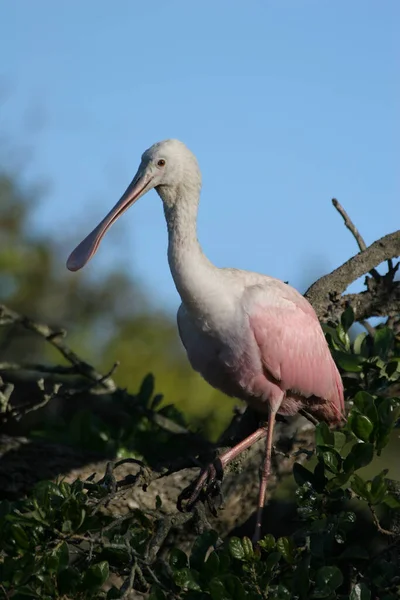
x,y
55,338
382,297
351,227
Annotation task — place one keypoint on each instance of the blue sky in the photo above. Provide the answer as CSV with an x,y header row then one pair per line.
x,y
286,104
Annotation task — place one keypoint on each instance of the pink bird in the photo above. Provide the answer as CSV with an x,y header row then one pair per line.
x,y
249,335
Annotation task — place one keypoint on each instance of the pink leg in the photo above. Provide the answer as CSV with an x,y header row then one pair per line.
x,y
264,475
209,474
229,455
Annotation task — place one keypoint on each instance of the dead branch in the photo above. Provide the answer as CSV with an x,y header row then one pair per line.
x,y
351,227
382,297
55,338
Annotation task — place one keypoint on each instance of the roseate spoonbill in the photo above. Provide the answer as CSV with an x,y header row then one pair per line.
x,y
249,335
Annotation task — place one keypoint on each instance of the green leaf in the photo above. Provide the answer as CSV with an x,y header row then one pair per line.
x,y
43,490
332,336
337,482
19,577
187,579
339,440
391,501
359,487
383,342
286,547
347,318
378,487
201,546
359,345
96,575
61,557
330,457
352,363
248,548
65,489
359,456
302,475
320,478
361,426
343,337
386,412
236,549
393,369
178,559
329,578
217,590
146,389
267,543
20,536
272,560
211,566
323,435
360,592
158,398
366,405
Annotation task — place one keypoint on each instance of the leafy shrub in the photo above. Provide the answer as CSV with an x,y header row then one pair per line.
x,y
58,543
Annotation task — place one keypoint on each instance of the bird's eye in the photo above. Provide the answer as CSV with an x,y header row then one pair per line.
x,y
161,162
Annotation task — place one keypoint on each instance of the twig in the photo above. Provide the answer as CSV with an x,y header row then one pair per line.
x,y
6,390
81,367
351,227
309,417
39,368
368,327
20,411
55,338
3,591
127,587
378,525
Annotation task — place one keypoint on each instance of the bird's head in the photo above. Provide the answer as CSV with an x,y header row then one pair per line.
x,y
167,166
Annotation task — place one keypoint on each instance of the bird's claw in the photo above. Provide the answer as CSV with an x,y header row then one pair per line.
x,y
206,487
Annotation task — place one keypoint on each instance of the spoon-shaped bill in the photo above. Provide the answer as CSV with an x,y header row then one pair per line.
x,y
88,247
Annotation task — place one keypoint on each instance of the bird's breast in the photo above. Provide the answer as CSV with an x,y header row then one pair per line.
x,y
221,348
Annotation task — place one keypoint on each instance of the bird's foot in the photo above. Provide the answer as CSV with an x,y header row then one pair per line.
x,y
207,487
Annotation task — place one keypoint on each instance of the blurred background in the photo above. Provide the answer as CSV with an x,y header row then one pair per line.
x,y
286,105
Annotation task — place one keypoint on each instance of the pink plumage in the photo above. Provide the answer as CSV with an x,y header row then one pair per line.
x,y
296,359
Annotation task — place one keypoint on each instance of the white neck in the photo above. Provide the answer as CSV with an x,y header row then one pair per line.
x,y
193,273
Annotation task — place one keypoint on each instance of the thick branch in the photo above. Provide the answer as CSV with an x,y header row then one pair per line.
x,y
382,302
328,290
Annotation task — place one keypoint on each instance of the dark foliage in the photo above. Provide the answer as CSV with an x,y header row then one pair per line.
x,y
59,543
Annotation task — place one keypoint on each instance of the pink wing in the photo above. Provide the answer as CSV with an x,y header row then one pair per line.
x,y
293,348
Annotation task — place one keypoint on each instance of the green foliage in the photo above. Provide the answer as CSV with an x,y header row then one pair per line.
x,y
58,544
127,436
367,363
